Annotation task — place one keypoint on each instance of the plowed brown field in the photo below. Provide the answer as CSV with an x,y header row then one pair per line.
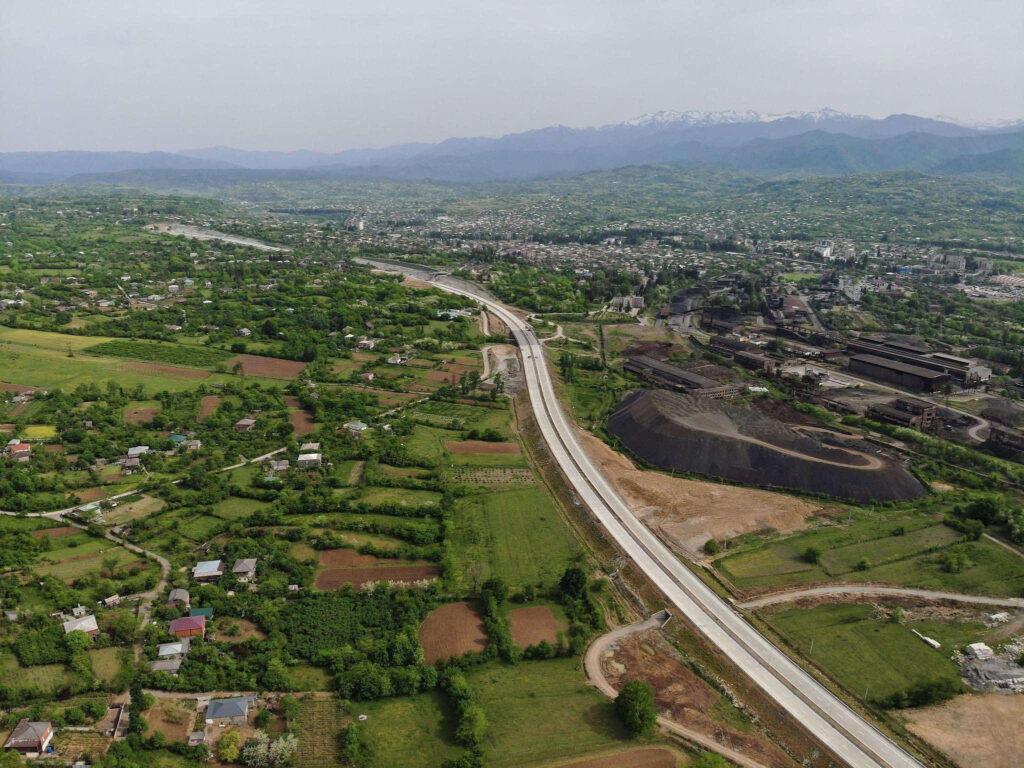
x,y
452,630
271,367
532,625
480,446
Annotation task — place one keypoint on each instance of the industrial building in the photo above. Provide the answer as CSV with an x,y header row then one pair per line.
x,y
673,377
960,370
895,372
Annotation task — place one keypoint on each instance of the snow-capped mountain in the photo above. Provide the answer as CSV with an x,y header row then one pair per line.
x,y
698,117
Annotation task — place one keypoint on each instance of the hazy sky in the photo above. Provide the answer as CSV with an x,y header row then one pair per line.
x,y
335,74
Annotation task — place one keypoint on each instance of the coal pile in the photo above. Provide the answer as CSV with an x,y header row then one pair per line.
x,y
737,444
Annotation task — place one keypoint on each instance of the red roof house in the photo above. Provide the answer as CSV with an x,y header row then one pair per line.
x,y
187,626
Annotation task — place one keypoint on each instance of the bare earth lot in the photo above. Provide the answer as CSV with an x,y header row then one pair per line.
x,y
975,730
689,512
332,578
140,415
451,630
635,758
271,367
480,446
166,370
208,405
531,625
302,422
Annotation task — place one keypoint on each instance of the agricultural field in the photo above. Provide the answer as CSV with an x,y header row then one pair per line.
x,y
871,656
157,352
517,535
909,550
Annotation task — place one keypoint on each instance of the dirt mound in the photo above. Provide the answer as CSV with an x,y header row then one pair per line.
x,y
452,630
685,433
531,625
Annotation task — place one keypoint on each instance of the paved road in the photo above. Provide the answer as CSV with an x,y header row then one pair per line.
x,y
851,738
868,589
592,665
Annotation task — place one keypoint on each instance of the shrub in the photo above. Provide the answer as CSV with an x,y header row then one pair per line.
x,y
635,705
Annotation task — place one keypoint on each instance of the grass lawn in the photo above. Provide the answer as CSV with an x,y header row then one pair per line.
x,y
306,677
410,731
235,507
515,534
406,497
46,676
861,652
66,561
105,663
489,460
552,702
428,442
200,528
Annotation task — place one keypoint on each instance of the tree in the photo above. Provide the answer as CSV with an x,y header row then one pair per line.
x,y
496,588
573,582
711,547
635,705
811,555
472,726
227,750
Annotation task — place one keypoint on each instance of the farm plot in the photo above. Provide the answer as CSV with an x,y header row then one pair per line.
x,y
48,677
332,578
515,534
409,731
317,727
141,412
452,630
173,718
553,702
133,510
535,624
302,422
235,507
271,367
208,405
404,496
105,663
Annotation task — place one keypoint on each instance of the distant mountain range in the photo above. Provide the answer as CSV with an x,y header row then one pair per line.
x,y
821,142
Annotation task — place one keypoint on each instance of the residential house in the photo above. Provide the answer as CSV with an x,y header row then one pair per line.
x,y
308,460
177,598
281,465
137,450
309,448
207,570
245,569
19,451
85,624
173,650
196,738
245,425
170,666
110,602
224,711
30,739
188,626
356,428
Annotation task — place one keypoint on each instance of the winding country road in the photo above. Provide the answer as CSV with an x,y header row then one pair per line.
x,y
869,590
853,739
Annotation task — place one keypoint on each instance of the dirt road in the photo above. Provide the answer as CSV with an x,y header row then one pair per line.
x,y
592,665
868,589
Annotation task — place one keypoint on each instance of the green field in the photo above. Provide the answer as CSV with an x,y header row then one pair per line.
x,y
518,535
105,663
79,555
39,432
409,732
234,507
161,352
428,442
45,676
863,653
403,496
549,700
306,677
914,559
200,528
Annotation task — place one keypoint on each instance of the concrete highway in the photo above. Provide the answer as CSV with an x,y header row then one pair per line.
x,y
849,736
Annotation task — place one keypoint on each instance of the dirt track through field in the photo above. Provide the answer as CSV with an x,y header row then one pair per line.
x,y
452,630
